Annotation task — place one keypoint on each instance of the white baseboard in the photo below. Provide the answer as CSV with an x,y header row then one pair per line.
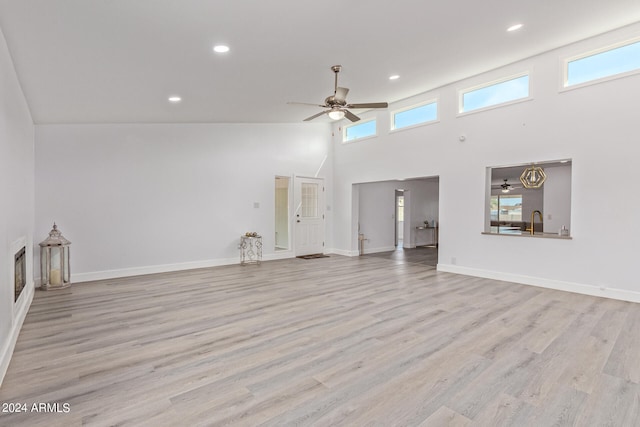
x,y
166,268
277,255
152,269
9,345
559,285
379,249
342,252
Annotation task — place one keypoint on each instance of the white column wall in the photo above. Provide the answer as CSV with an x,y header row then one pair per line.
x,y
594,125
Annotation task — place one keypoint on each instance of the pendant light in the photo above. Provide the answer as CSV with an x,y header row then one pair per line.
x,y
533,177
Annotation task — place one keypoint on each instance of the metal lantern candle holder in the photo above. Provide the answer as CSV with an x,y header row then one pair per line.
x,y
55,271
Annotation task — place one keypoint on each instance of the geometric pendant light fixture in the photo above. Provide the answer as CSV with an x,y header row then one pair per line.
x,y
533,177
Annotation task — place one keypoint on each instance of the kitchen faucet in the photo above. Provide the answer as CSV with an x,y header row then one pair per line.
x,y
533,215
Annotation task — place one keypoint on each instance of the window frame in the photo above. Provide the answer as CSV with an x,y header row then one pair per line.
x,y
393,113
359,123
508,196
462,92
564,76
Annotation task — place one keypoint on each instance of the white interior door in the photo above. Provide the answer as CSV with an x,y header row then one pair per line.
x,y
309,215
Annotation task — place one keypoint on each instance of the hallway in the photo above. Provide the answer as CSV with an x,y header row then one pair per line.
x,y
423,255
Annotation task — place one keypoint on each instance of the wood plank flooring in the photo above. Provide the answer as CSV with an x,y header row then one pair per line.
x,y
363,341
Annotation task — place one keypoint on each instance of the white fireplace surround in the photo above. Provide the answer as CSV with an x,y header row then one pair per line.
x,y
18,308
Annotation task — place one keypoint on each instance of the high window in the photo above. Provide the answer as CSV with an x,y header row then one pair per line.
x,y
359,130
495,93
416,115
612,61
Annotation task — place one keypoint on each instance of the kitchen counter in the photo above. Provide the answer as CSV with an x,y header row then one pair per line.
x,y
514,231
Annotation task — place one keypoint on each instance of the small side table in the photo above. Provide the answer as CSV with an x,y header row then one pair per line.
x,y
434,235
250,250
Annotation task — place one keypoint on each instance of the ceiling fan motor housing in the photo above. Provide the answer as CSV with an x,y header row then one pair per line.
x,y
331,101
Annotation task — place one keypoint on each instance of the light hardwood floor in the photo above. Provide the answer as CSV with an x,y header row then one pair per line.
x,y
363,341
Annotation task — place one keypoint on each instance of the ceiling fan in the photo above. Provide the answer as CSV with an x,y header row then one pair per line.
x,y
336,105
506,187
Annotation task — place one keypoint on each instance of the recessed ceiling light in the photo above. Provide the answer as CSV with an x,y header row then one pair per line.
x,y
514,27
394,77
220,48
564,161
175,99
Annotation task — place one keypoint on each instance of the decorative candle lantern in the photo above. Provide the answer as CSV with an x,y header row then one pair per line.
x,y
55,272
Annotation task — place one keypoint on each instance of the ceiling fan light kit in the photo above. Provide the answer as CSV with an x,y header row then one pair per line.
x,y
336,105
533,177
336,114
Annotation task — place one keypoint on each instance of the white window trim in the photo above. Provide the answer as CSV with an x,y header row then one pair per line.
x,y
411,107
565,66
359,122
461,93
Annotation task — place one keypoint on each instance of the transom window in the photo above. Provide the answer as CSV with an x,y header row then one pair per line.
x,y
611,61
416,115
495,93
309,202
359,130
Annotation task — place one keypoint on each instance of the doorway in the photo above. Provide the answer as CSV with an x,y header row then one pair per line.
x,y
399,242
398,219
282,213
309,215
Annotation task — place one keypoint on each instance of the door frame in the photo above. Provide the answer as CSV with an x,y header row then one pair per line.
x,y
297,206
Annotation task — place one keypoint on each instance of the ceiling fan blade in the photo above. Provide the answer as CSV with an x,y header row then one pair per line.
x,y
349,115
306,103
369,105
314,116
341,93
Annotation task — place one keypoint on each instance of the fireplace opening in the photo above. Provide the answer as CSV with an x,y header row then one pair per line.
x,y
20,271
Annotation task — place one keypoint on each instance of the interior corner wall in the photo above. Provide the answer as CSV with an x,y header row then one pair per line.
x,y
592,125
424,207
556,206
377,215
16,201
142,198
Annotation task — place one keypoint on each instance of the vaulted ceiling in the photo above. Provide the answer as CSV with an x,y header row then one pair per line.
x,y
112,61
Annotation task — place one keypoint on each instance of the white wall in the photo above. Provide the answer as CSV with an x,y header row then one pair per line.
x,y
557,207
595,126
142,198
16,201
377,215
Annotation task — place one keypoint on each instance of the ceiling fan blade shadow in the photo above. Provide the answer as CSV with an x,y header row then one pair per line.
x,y
341,93
349,115
314,116
369,105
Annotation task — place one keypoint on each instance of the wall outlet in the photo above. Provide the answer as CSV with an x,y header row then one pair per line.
x,y
453,260
256,205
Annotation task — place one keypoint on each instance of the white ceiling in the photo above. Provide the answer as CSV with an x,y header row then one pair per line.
x,y
109,61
